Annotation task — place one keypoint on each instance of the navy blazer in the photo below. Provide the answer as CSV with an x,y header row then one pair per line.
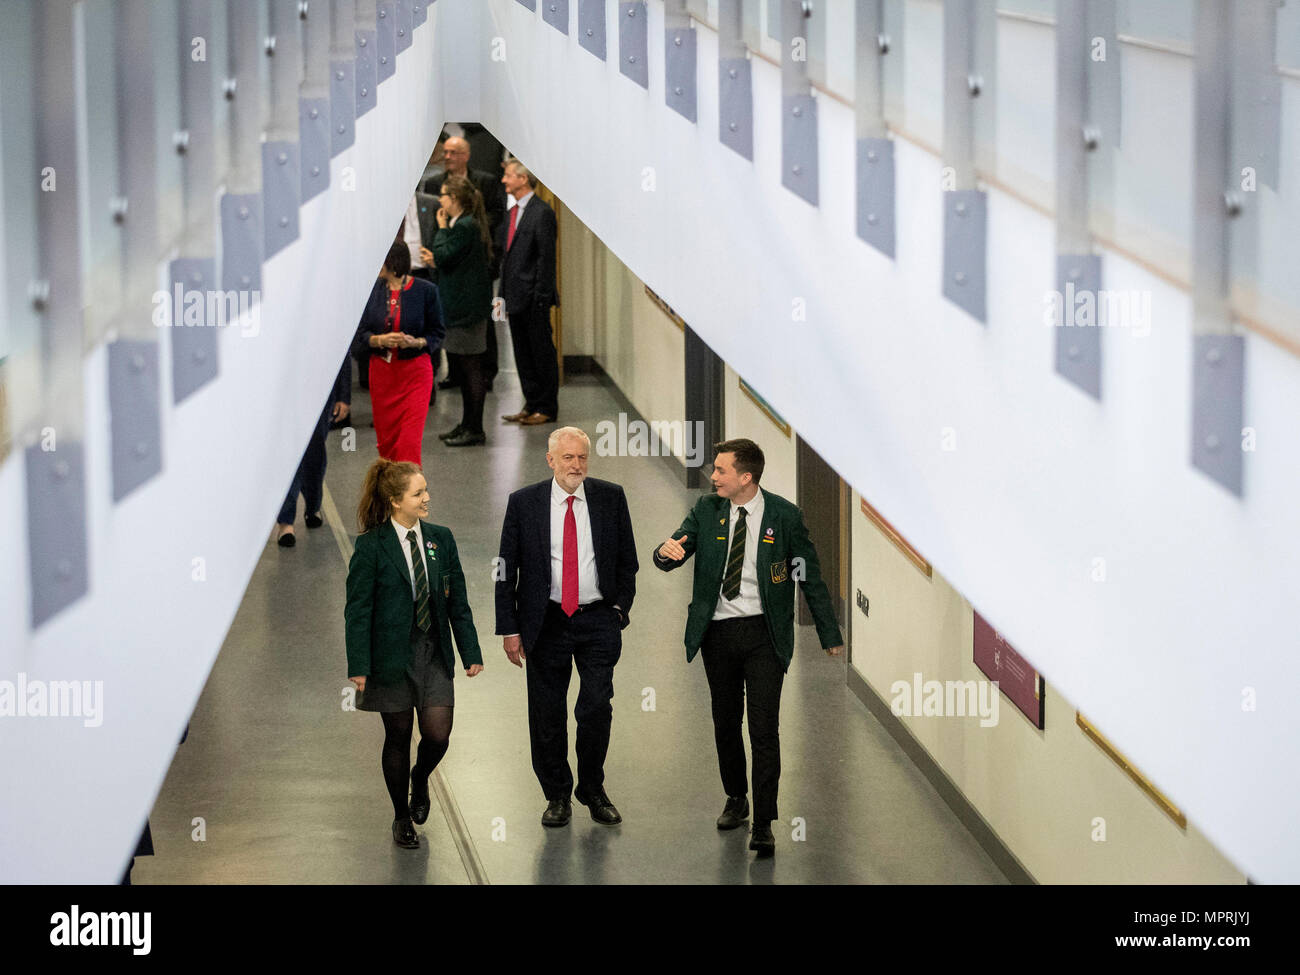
x,y
527,269
421,317
524,573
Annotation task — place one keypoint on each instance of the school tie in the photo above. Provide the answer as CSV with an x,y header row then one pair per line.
x,y
735,558
569,567
421,583
514,219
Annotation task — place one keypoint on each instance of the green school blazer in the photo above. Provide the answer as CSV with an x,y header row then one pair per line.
x,y
785,555
380,611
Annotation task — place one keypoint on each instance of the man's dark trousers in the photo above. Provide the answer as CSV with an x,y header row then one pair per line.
x,y
539,373
590,639
738,656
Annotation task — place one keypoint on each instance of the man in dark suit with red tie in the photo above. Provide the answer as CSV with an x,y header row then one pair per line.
x,y
565,583
525,245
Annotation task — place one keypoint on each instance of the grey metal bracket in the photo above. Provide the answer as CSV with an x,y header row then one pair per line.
x,y
1078,345
56,527
799,146
419,12
530,4
876,193
633,41
343,106
965,218
1105,106
1218,388
281,181
556,13
591,26
194,347
314,145
366,72
736,101
405,23
386,40
679,71
134,416
241,242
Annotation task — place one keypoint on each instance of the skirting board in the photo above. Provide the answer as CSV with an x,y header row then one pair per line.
x,y
979,828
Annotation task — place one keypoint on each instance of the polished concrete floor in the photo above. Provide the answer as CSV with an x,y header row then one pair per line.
x,y
287,784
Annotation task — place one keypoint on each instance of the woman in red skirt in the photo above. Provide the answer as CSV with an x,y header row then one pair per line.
x,y
402,328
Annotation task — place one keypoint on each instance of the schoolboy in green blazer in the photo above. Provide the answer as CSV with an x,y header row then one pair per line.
x,y
741,617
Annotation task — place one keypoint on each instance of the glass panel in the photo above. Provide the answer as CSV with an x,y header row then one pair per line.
x,y
1141,192
922,56
832,47
1026,104
98,167
20,179
1265,285
891,66
167,118
1288,36
705,11
1159,21
1039,9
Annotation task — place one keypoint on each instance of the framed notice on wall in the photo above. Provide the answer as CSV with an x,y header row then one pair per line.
x,y
1016,678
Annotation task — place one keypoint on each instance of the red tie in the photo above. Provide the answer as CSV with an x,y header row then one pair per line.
x,y
569,567
514,218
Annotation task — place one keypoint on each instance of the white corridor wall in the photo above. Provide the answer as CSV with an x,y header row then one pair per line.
x,y
75,797
1197,608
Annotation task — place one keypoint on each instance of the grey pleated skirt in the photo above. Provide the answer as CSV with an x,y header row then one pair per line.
x,y
470,340
426,683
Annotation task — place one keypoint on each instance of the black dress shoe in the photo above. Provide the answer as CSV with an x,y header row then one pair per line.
x,y
602,810
558,812
467,439
286,540
314,521
419,801
761,840
404,834
734,813
451,434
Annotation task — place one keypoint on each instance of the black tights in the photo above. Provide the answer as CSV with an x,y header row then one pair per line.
x,y
473,388
435,733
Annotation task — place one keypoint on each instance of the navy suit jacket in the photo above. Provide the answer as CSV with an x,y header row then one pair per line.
x,y
527,269
524,573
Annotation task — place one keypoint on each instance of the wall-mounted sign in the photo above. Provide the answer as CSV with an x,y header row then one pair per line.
x,y
1016,678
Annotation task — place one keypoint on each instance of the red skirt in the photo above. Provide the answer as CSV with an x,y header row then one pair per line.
x,y
399,397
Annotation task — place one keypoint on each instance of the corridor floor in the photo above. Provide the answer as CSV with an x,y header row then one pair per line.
x,y
286,787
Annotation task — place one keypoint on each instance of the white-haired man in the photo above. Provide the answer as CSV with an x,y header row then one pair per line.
x,y
565,584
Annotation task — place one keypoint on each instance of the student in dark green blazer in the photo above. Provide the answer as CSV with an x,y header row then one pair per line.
x,y
751,547
461,252
405,598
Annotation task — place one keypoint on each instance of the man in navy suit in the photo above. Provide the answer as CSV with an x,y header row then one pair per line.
x,y
565,583
525,246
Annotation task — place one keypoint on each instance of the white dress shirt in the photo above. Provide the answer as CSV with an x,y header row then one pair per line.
x,y
411,233
588,584
520,203
406,549
747,603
